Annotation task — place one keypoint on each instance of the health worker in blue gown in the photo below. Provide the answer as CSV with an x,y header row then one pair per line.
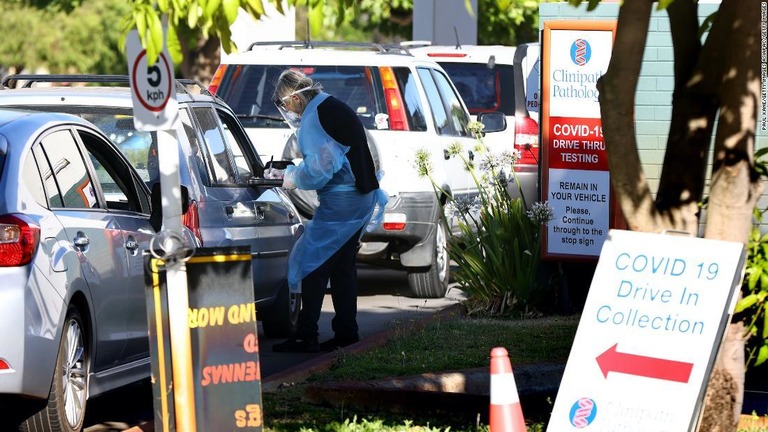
x,y
337,163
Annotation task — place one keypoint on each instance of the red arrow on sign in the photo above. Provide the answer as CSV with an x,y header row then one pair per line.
x,y
650,367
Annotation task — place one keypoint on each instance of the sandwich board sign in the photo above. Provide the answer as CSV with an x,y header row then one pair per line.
x,y
224,365
649,333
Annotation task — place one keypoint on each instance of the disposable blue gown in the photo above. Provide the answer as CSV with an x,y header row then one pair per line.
x,y
343,210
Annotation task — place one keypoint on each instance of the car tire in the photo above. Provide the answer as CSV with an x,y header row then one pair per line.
x,y
65,410
433,283
280,319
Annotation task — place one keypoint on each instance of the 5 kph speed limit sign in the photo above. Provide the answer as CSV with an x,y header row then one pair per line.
x,y
152,88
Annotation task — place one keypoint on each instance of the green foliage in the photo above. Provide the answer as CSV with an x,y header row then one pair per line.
x,y
48,5
754,292
205,17
496,244
507,22
80,40
70,45
504,22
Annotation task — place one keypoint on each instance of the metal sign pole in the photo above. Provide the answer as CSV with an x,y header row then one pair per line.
x,y
153,92
178,301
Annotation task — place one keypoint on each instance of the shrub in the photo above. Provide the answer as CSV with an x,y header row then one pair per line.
x,y
495,240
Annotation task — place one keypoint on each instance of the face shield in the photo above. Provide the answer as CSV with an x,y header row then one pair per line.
x,y
292,119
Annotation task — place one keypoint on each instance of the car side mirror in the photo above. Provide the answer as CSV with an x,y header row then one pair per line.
x,y
493,121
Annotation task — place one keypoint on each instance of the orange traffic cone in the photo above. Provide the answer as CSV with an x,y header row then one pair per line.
x,y
506,413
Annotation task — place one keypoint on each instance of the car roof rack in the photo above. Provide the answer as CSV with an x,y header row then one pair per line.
x,y
310,44
182,85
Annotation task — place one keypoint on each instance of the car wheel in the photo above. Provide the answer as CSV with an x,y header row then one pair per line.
x,y
65,411
433,283
281,318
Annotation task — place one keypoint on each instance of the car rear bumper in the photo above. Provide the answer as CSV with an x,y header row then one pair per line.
x,y
421,214
30,330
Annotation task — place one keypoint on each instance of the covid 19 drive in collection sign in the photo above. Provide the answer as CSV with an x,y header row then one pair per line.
x,y
655,316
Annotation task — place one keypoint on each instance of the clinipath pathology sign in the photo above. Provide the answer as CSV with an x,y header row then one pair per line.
x,y
575,178
649,333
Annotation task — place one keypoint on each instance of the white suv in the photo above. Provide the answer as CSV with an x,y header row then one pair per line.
x,y
495,78
406,103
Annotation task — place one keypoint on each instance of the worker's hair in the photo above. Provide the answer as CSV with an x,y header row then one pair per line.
x,y
293,80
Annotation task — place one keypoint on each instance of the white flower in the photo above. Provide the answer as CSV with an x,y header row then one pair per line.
x,y
462,206
476,128
541,213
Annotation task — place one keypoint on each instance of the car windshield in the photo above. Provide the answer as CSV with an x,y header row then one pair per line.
x,y
482,88
250,91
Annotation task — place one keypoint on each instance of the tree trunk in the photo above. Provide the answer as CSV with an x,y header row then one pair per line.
x,y
201,59
736,186
722,75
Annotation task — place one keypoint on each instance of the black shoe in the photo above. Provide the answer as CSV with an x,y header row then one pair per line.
x,y
293,344
336,342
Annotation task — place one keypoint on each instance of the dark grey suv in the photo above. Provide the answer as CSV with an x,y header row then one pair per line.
x,y
230,204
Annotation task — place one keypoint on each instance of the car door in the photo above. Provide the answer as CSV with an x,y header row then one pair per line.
x,y
126,199
95,235
276,219
450,119
235,212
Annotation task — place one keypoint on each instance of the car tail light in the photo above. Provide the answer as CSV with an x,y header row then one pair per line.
x,y
394,221
527,140
395,107
191,220
4,366
213,87
18,240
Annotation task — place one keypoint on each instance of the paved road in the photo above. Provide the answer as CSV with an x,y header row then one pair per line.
x,y
380,304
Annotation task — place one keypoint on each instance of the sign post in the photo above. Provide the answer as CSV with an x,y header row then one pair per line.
x,y
649,333
575,177
153,91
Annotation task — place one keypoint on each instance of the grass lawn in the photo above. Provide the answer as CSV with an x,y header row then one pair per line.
x,y
446,345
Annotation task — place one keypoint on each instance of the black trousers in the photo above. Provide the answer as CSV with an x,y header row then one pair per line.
x,y
341,270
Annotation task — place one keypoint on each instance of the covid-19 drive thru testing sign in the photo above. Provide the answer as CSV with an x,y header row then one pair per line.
x,y
649,334
575,177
